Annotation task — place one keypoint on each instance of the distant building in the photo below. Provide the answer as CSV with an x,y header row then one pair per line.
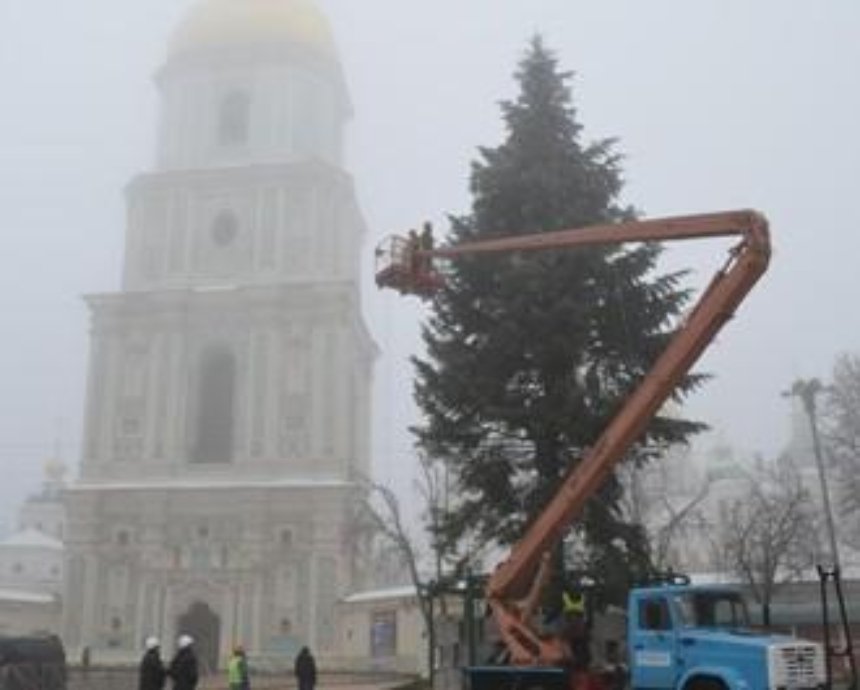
x,y
680,499
382,630
800,452
31,561
44,511
31,579
228,400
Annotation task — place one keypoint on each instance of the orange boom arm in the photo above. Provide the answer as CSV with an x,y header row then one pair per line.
x,y
514,589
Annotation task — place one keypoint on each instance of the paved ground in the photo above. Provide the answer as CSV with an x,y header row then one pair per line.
x,y
126,679
339,682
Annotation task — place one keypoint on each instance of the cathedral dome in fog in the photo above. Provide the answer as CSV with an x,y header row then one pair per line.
x,y
227,24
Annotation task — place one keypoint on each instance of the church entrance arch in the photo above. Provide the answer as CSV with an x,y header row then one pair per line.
x,y
204,625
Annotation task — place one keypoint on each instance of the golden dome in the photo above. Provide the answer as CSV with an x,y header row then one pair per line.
x,y
213,24
55,470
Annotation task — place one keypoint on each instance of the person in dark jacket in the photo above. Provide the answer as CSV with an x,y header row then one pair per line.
x,y
306,670
152,672
183,668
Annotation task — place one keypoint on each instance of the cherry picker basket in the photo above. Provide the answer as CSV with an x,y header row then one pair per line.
x,y
403,265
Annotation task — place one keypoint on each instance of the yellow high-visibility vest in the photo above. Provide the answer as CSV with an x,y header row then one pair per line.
x,y
573,603
234,671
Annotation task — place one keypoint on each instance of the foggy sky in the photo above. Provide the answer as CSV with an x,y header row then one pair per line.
x,y
718,104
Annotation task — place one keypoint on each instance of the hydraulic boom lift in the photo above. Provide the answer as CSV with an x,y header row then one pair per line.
x,y
514,589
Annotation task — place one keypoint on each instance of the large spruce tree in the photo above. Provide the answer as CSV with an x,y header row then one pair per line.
x,y
530,355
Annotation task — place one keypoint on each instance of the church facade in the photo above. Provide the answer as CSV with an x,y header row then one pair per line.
x,y
228,397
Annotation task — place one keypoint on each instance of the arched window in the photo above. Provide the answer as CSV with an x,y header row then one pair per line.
x,y
234,115
215,400
224,229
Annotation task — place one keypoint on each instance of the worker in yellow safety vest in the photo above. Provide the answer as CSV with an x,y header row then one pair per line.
x,y
237,670
573,604
576,628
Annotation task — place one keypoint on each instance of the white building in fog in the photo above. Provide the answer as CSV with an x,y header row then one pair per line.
x,y
31,561
44,510
228,398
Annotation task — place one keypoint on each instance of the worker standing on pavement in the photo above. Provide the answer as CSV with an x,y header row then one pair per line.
x,y
151,673
237,670
306,670
184,669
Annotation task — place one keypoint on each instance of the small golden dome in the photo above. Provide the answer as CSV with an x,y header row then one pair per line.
x,y
213,24
55,470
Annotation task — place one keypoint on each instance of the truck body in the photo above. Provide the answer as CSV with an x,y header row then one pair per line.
x,y
681,636
691,637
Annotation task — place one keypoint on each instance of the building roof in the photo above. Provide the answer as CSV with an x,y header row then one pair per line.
x,y
201,484
31,538
224,24
405,592
23,597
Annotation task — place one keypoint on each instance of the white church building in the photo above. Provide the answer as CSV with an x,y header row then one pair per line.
x,y
228,396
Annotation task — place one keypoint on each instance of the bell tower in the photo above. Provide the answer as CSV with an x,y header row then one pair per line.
x,y
228,399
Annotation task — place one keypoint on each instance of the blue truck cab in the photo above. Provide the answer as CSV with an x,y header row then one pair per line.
x,y
690,637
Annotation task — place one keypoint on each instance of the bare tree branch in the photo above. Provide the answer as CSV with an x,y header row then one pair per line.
x,y
666,517
678,519
384,510
841,431
767,534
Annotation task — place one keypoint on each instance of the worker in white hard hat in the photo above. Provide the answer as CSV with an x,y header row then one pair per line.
x,y
183,669
152,674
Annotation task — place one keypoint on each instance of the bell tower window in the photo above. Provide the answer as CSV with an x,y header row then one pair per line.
x,y
225,227
234,115
215,404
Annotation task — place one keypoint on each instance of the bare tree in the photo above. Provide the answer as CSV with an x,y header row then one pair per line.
x,y
383,507
374,560
433,486
841,430
767,534
682,520
383,510
671,516
387,518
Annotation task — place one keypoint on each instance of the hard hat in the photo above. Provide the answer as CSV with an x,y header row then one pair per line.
x,y
185,641
152,642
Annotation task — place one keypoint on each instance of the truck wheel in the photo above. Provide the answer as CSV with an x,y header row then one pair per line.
x,y
705,684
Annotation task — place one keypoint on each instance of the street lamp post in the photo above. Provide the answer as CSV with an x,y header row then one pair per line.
x,y
808,390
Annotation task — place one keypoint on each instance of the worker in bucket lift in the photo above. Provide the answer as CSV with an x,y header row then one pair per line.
x,y
426,244
413,246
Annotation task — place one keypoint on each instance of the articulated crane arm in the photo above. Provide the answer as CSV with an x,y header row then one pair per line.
x,y
514,589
